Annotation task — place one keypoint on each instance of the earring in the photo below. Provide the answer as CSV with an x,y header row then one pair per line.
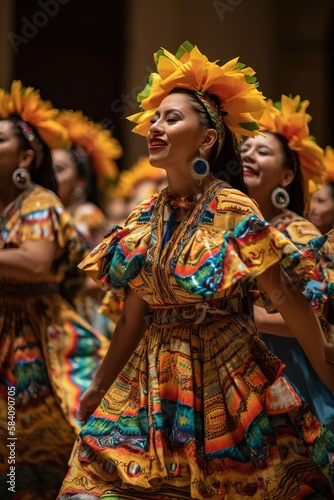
x,y
199,168
21,178
280,197
77,195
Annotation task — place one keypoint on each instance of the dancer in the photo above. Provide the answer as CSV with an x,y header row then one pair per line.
x,y
86,173
47,352
189,402
279,169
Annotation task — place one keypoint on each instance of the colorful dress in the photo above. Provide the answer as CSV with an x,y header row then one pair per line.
x,y
202,409
47,355
298,368
92,222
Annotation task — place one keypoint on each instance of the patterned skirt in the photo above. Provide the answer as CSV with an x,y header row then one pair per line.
x,y
202,410
47,357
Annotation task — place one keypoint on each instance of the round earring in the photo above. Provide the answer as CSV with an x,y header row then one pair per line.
x,y
21,178
199,168
280,197
77,194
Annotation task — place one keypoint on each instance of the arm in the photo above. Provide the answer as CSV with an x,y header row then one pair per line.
x,y
30,262
301,321
270,323
128,332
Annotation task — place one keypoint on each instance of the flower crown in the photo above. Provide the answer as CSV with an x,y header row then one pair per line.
x,y
26,104
234,84
288,118
141,171
97,142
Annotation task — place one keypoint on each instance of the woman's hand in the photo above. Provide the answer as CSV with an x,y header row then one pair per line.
x,y
89,401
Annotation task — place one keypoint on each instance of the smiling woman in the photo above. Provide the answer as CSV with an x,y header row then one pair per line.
x,y
321,212
279,170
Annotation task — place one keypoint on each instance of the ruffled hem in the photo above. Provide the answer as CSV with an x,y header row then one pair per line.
x,y
260,472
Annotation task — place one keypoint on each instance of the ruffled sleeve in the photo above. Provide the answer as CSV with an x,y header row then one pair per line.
x,y
42,217
239,255
317,284
321,287
118,259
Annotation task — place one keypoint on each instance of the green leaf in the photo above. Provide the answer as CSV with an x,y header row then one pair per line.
x,y
250,126
240,65
146,90
250,79
185,47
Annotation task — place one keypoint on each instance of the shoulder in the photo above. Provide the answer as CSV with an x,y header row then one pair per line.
x,y
40,199
299,229
91,213
229,199
143,211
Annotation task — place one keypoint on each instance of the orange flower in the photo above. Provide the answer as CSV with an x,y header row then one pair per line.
x,y
98,143
329,163
26,103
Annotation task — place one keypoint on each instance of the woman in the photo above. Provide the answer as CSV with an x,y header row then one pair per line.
x,y
321,214
192,400
321,211
47,353
85,173
278,169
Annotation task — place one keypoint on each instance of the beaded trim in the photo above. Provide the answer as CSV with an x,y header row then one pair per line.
x,y
33,139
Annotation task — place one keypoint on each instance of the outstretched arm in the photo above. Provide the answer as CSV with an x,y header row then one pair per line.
x,y
301,320
128,332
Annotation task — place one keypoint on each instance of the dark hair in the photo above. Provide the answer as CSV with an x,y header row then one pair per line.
x,y
44,174
291,162
85,170
227,166
330,184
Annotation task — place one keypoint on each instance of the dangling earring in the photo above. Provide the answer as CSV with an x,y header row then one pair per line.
x,y
21,178
78,195
280,197
199,167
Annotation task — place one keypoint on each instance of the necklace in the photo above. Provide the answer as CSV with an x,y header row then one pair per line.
x,y
171,204
184,203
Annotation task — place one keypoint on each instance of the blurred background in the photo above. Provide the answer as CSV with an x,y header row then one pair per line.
x,y
95,56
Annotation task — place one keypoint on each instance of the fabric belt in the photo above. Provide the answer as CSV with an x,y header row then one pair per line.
x,y
198,312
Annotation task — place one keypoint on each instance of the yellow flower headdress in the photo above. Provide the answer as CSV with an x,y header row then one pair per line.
x,y
26,104
141,171
288,118
234,84
97,142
